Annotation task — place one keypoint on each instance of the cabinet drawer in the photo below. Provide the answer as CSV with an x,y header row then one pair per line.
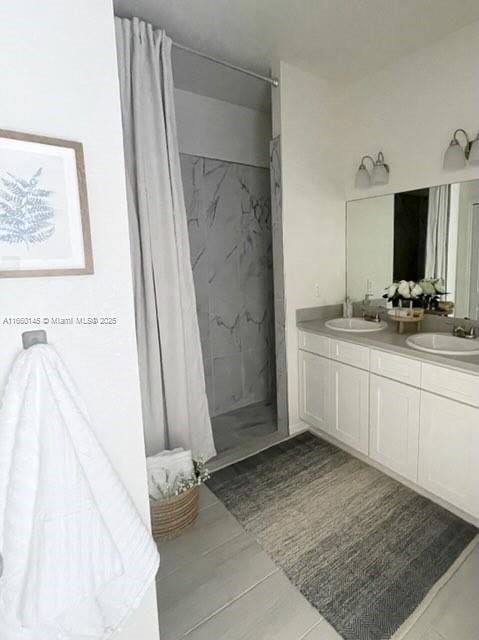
x,y
451,384
314,343
353,354
396,367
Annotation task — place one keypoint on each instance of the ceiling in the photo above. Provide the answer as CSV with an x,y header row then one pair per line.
x,y
337,39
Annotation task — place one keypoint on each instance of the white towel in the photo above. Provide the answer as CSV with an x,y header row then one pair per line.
x,y
165,469
77,558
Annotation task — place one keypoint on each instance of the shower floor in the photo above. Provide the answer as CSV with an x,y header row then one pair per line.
x,y
242,432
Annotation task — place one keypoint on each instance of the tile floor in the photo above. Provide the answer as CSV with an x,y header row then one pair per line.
x,y
454,612
216,583
242,432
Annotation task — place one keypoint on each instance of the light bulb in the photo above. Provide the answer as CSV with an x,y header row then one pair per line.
x,y
363,179
454,158
380,174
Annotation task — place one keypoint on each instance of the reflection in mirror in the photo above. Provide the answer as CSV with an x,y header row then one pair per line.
x,y
426,233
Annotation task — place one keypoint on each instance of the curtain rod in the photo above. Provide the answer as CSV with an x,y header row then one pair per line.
x,y
272,81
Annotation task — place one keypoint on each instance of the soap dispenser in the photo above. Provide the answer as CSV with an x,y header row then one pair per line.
x,y
347,308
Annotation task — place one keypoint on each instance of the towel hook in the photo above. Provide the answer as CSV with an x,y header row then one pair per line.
x,y
29,338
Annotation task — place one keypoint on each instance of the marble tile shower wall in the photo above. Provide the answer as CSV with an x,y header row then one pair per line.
x,y
229,223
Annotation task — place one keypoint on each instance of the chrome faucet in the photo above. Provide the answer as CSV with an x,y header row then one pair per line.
x,y
460,331
372,315
369,314
471,333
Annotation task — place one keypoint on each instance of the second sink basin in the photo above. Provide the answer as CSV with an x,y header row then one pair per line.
x,y
443,344
357,325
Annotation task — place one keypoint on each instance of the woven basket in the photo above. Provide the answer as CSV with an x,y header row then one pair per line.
x,y
172,516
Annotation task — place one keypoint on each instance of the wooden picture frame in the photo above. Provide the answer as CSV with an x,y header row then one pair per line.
x,y
44,219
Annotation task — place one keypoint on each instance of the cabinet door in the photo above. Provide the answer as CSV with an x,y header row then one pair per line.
x,y
449,451
314,389
350,406
394,426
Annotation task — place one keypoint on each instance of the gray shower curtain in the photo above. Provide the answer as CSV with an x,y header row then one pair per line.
x,y
437,237
175,408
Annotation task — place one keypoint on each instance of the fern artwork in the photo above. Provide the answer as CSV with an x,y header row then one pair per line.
x,y
44,220
26,213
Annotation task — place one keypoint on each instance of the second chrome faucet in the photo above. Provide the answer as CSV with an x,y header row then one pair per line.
x,y
461,331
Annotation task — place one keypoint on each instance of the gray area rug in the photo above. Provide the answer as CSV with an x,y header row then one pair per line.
x,y
361,547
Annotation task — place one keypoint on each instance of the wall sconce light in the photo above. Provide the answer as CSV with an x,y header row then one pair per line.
x,y
379,172
456,155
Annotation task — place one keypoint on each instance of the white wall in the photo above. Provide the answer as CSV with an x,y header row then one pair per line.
x,y
216,129
370,246
313,201
410,110
59,78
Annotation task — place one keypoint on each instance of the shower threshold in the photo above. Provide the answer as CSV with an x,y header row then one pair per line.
x,y
243,432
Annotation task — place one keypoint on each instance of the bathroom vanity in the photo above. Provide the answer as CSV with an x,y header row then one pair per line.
x,y
414,415
408,404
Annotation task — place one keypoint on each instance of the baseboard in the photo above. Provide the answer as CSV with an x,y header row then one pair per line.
x,y
298,427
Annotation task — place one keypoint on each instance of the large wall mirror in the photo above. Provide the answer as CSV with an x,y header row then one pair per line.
x,y
412,235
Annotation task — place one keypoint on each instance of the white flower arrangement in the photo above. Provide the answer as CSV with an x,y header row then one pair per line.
x,y
433,286
424,290
403,289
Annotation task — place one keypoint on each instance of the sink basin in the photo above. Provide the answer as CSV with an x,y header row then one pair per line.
x,y
357,325
443,344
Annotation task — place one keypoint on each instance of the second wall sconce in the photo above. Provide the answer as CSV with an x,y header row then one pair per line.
x,y
456,155
379,173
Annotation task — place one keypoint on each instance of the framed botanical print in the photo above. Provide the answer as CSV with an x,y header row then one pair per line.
x,y
44,221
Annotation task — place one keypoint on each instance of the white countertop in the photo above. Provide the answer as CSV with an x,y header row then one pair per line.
x,y
390,340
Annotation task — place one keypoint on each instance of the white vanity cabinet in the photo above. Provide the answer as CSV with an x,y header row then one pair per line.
x,y
349,413
334,396
449,451
394,426
314,374
417,419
